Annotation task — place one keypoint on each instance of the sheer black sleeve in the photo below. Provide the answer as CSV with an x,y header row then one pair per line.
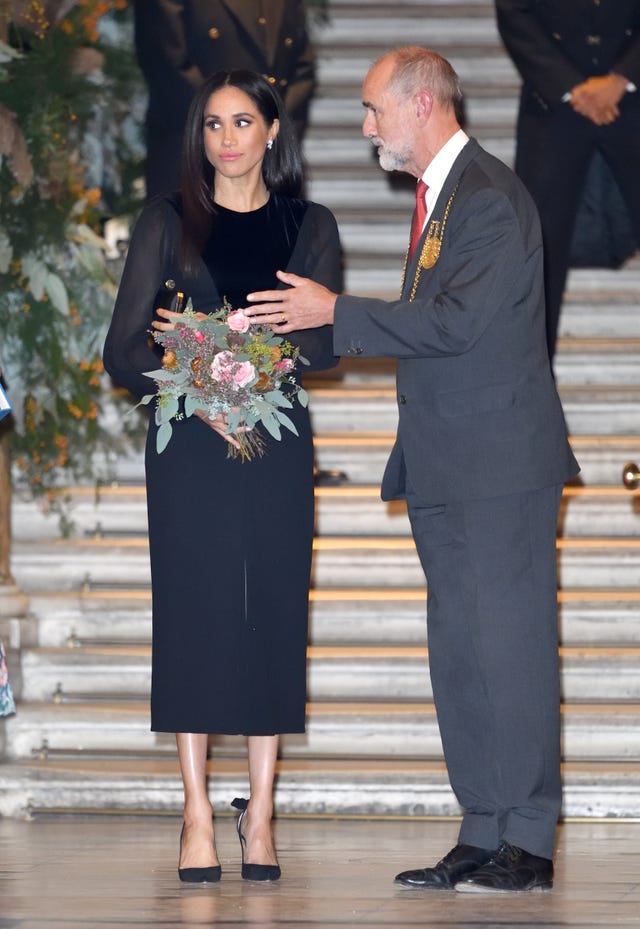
x,y
128,350
318,256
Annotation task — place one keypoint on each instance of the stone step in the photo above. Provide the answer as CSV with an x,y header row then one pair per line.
x,y
362,457
335,672
588,410
357,616
606,362
381,787
343,71
410,25
489,112
347,510
337,563
599,732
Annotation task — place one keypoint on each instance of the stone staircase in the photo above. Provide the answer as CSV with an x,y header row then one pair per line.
x,y
81,741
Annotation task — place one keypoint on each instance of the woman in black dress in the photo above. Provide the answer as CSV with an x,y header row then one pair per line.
x,y
230,542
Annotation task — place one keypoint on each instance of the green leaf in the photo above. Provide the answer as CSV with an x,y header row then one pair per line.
x,y
57,292
36,272
163,436
284,419
6,251
278,399
191,404
303,397
270,423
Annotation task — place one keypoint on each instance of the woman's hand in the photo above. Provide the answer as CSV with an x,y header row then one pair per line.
x,y
172,319
220,424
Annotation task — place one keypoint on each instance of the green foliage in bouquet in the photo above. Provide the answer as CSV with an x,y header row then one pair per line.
x,y
65,121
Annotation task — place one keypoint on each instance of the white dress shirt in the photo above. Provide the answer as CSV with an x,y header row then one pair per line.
x,y
438,171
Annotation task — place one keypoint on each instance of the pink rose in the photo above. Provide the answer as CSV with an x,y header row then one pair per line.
x,y
227,371
283,366
198,336
238,322
243,374
221,366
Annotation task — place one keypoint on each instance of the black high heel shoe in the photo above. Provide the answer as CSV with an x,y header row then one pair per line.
x,y
252,872
210,875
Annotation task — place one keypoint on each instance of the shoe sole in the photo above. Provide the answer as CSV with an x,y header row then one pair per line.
x,y
478,889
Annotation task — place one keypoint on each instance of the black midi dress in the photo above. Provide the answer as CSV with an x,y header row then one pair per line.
x,y
230,542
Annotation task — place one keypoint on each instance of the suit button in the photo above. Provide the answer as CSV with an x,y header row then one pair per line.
x,y
271,79
283,82
214,33
402,398
262,20
288,41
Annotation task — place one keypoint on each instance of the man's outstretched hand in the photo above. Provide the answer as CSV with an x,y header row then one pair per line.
x,y
303,305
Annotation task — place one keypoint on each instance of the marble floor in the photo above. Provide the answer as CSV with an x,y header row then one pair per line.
x,y
110,872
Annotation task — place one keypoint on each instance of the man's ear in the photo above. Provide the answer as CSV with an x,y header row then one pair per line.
x,y
423,103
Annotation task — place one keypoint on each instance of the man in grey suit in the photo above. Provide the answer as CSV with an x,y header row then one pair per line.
x,y
481,455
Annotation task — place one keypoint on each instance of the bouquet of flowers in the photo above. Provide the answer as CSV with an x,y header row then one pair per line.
x,y
220,363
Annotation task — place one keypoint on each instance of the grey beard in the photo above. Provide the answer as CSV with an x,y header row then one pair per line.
x,y
390,160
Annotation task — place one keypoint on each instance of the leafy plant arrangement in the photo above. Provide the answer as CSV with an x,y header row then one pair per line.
x,y
62,129
220,364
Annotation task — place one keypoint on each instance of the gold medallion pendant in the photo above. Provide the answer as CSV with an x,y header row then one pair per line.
x,y
430,251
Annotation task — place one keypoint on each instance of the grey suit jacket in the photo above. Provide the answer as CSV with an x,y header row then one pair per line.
x,y
479,414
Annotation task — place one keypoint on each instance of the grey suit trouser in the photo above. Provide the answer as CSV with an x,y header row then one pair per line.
x,y
493,658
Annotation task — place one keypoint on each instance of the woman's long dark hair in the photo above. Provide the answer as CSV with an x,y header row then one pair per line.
x,y
281,169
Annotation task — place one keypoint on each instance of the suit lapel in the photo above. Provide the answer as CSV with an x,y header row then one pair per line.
x,y
437,213
265,35
247,15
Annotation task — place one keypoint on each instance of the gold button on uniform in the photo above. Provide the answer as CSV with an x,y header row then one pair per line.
x,y
271,79
288,41
262,20
214,33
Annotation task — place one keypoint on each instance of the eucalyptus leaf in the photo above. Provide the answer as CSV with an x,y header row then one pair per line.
x,y
270,423
144,401
303,397
6,251
57,292
36,272
162,437
167,409
161,375
191,404
278,399
284,419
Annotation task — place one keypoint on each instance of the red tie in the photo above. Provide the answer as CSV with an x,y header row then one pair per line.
x,y
418,217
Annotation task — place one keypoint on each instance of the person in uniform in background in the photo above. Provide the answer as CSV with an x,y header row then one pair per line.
x,y
580,65
179,44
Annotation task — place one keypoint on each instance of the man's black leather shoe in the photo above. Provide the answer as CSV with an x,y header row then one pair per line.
x,y
461,860
510,870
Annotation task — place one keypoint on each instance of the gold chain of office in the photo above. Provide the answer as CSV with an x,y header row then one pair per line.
x,y
430,251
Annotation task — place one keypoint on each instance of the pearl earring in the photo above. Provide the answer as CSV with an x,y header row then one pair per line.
x,y
270,144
